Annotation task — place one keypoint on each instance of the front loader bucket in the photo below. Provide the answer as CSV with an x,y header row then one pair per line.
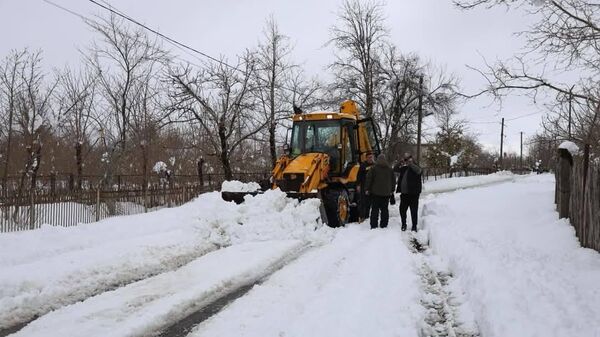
x,y
237,197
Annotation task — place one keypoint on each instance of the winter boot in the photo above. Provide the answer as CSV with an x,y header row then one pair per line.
x,y
414,228
403,227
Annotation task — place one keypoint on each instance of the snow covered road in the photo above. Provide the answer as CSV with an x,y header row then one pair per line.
x,y
497,262
362,284
523,270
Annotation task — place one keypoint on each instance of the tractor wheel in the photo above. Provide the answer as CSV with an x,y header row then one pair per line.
x,y
337,206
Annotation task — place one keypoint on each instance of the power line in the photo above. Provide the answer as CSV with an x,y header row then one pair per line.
x,y
134,21
185,48
81,16
523,116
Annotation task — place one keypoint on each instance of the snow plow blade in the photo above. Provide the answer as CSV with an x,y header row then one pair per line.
x,y
238,197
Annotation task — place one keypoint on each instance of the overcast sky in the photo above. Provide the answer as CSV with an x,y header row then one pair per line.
x,y
434,29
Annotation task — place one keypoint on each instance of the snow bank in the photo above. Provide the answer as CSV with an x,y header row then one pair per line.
x,y
51,267
144,307
451,184
523,270
238,186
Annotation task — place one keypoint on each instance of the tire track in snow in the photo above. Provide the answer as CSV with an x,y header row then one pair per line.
x,y
171,264
441,318
184,326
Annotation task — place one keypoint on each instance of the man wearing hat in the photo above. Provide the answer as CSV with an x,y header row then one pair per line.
x,y
409,186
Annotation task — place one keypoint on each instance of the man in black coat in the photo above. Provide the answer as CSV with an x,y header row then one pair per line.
x,y
364,201
379,187
409,186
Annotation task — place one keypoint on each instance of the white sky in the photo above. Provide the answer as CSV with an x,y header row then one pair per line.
x,y
434,29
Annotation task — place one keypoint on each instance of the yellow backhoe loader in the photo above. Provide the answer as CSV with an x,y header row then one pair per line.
x,y
322,161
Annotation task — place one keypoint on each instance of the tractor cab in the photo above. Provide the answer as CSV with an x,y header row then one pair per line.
x,y
343,137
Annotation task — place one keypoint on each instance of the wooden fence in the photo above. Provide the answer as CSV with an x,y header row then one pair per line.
x,y
578,196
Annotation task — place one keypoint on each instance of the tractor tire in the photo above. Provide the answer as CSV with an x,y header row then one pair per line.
x,y
337,207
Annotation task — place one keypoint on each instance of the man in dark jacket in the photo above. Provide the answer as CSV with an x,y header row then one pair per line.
x,y
364,201
409,187
380,188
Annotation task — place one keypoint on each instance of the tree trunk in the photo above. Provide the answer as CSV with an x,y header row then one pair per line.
x,y
79,161
224,154
7,158
272,144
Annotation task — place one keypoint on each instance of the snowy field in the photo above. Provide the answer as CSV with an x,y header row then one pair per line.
x,y
498,262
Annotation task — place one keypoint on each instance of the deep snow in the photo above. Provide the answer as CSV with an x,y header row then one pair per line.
x,y
522,269
510,268
51,267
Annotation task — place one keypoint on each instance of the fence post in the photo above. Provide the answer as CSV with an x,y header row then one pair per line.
x,y
565,166
97,204
31,211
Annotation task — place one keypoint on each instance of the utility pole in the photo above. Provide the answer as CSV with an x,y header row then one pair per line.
x,y
420,120
501,144
521,158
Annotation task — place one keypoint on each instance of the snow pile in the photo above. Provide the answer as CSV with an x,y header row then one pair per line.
x,y
269,216
570,146
451,184
51,267
160,167
523,270
238,186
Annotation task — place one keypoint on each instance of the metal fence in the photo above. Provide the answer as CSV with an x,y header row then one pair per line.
x,y
32,210
60,200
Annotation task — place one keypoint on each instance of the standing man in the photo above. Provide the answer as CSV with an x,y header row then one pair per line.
x,y
379,187
409,187
364,201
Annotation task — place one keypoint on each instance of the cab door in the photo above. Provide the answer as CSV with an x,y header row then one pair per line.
x,y
368,141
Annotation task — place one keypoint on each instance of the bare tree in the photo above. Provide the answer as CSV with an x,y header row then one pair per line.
x,y
146,116
567,33
125,58
407,79
33,113
272,72
10,87
77,96
359,36
398,99
219,98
